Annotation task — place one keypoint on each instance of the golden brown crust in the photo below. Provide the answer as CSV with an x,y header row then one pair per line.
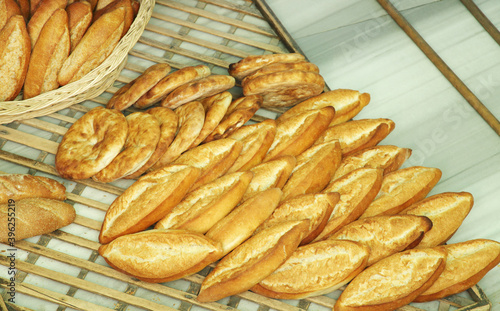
x,y
356,135
146,201
8,8
143,136
133,90
48,55
357,190
314,270
402,188
158,256
252,261
91,143
204,207
198,90
41,15
253,63
24,8
170,83
244,219
298,133
79,20
35,216
15,51
113,5
447,212
282,66
22,186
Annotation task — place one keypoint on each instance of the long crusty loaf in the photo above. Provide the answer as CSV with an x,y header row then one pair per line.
x,y
22,186
42,14
79,20
8,8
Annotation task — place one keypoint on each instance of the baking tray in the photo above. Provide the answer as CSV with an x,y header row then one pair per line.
x,y
62,270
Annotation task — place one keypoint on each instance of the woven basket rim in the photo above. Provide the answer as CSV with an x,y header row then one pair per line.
x,y
63,95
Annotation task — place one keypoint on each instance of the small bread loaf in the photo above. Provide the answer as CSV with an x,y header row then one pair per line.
x,y
33,216
15,51
358,134
22,186
79,20
298,133
316,207
357,190
48,55
8,8
91,143
347,104
243,220
202,208
147,201
41,15
315,269
158,256
252,261
282,66
447,212
113,5
387,157
385,235
402,188
394,281
467,263
251,64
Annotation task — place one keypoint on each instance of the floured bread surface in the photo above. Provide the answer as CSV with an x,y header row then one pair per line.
x,y
91,143
252,63
143,136
315,269
394,281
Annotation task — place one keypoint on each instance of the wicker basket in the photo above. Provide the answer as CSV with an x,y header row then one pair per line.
x,y
90,86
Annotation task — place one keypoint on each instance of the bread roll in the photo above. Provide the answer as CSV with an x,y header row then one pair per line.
x,y
41,15
356,135
252,261
282,66
315,269
387,157
79,20
113,5
357,190
252,63
91,143
385,235
33,216
320,161
213,159
15,51
393,282
96,45
8,8
22,186
147,201
402,188
316,207
48,55
158,256
298,133
466,264
447,212
243,220
271,174
202,208
347,104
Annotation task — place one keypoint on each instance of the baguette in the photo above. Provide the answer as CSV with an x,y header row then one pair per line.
x,y
315,269
41,15
251,64
158,256
49,53
447,212
79,20
113,5
147,201
33,216
282,66
23,186
15,51
394,281
244,219
8,8
402,188
24,7
252,261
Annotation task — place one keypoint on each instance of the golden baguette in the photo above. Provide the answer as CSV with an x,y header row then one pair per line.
x,y
467,263
158,256
41,15
129,12
147,201
252,261
251,64
8,8
385,235
315,269
79,20
33,216
15,51
394,281
447,212
22,186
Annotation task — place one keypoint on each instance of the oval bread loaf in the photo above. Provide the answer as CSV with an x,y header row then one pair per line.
x,y
252,63
22,186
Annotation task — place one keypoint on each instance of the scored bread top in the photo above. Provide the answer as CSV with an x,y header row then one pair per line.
x,y
22,186
252,63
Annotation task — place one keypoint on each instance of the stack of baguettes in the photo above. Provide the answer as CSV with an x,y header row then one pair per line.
x,y
45,44
291,208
